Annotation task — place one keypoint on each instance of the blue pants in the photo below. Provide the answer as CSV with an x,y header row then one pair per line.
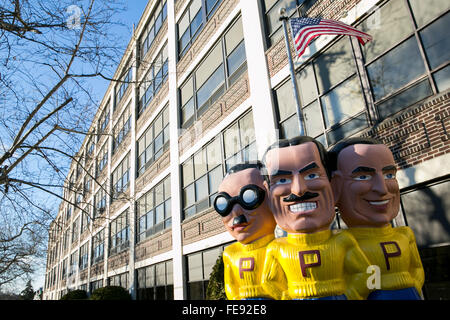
x,y
400,294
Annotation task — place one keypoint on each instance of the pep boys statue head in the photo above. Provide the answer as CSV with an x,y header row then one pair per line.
x,y
243,204
364,182
298,185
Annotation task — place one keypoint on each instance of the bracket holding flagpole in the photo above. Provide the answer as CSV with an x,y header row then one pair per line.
x,y
284,18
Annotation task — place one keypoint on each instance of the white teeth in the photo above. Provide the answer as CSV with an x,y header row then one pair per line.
x,y
303,206
378,203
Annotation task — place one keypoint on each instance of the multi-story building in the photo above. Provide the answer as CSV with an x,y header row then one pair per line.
x,y
206,85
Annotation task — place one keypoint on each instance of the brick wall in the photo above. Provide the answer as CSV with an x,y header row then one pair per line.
x,y
154,245
417,134
232,98
202,226
118,260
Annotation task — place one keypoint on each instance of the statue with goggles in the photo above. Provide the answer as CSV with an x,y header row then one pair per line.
x,y
242,204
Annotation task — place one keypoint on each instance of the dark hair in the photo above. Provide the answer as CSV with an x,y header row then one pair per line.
x,y
283,143
341,145
245,165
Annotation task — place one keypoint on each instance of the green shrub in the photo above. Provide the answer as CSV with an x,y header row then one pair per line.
x,y
110,293
216,287
75,295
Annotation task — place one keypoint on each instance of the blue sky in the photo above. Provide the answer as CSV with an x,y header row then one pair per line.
x,y
131,15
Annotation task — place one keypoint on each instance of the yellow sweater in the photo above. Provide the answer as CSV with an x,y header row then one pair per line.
x,y
320,264
394,251
243,265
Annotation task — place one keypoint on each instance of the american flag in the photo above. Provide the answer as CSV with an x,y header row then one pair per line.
x,y
306,29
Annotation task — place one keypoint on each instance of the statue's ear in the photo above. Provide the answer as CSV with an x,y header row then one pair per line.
x,y
337,181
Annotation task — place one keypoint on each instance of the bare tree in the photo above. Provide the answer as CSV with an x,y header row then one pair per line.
x,y
49,51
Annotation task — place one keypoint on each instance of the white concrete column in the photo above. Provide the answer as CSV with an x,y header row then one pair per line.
x,y
178,274
260,91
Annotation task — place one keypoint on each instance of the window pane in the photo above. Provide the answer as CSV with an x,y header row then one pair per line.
x,y
187,112
405,98
150,200
158,124
167,187
231,141
347,129
342,102
290,128
201,188
313,119
150,276
169,272
208,90
189,195
159,194
246,129
390,72
168,209
214,153
234,37
306,84
160,271
200,163
387,26
215,178
195,270
183,24
436,41
285,101
159,213
195,7
188,172
236,59
187,91
442,79
425,11
209,65
334,65
209,260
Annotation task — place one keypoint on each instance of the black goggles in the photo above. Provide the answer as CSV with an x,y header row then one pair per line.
x,y
250,197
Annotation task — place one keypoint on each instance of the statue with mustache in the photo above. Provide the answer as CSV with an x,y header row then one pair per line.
x,y
312,262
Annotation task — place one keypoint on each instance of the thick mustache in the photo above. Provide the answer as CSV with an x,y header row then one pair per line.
x,y
306,196
239,220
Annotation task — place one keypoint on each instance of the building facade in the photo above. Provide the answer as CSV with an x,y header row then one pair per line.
x,y
206,85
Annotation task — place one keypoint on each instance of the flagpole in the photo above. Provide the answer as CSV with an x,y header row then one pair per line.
x,y
284,18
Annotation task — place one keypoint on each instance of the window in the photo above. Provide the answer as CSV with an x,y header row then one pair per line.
x,y
84,250
102,158
199,266
124,84
154,24
90,145
401,66
120,280
218,71
153,142
103,119
94,285
154,79
273,26
121,177
98,247
405,51
100,201
121,129
73,263
64,269
75,229
154,210
119,230
88,181
155,282
85,221
203,172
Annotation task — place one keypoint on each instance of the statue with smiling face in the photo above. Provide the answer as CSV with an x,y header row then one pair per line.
x,y
312,262
243,205
368,197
